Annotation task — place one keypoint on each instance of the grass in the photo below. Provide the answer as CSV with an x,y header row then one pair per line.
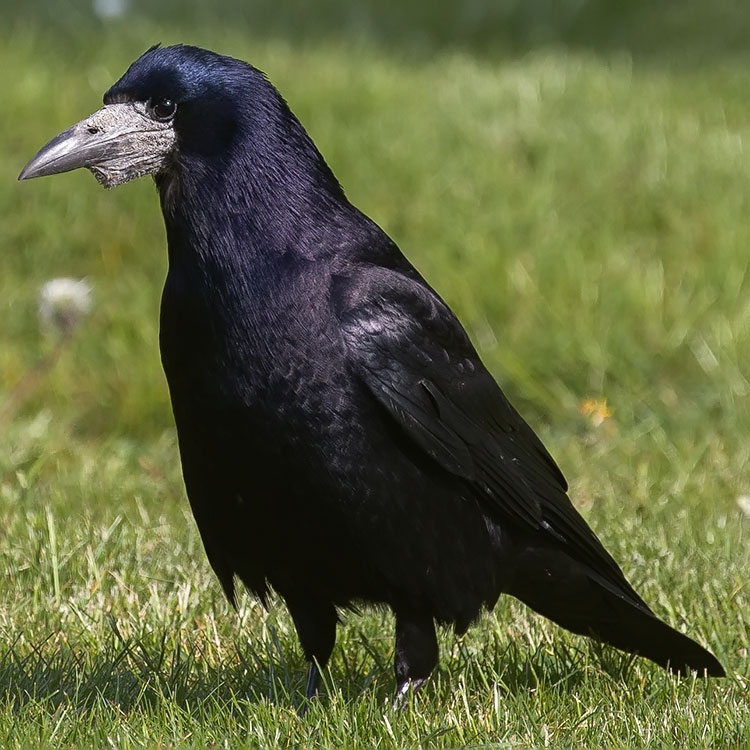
x,y
581,201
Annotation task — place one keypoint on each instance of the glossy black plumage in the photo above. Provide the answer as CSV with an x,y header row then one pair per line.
x,y
341,440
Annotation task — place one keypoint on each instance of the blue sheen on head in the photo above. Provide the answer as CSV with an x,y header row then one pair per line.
x,y
217,97
181,73
235,134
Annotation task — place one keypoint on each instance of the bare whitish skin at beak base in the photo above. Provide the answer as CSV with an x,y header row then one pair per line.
x,y
117,143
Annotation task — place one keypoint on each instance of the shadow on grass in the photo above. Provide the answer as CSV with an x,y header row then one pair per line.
x,y
135,675
558,666
138,675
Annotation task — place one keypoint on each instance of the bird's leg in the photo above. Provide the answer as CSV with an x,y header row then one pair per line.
x,y
416,653
315,621
313,681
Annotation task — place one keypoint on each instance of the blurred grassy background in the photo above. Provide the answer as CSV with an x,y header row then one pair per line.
x,y
572,176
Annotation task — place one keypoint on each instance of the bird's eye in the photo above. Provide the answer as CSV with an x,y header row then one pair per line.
x,y
163,109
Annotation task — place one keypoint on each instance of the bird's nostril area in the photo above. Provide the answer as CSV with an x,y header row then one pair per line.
x,y
93,130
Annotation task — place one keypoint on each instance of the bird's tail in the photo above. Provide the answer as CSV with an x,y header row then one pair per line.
x,y
574,596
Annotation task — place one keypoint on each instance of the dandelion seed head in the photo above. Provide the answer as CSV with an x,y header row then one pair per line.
x,y
743,502
63,303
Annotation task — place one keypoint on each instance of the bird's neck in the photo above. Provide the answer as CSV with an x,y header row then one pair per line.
x,y
241,213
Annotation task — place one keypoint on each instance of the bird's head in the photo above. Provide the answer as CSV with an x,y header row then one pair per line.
x,y
171,101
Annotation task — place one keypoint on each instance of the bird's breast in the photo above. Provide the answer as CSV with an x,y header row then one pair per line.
x,y
252,361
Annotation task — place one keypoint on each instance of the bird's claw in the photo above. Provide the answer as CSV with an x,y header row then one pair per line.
x,y
406,689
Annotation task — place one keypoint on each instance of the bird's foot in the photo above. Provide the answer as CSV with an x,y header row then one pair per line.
x,y
405,690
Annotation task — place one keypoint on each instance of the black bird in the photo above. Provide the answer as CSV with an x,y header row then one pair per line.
x,y
341,441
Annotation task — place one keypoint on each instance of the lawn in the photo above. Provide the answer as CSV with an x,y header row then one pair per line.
x,y
576,183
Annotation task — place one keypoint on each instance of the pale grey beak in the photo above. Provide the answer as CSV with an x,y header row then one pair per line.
x,y
117,143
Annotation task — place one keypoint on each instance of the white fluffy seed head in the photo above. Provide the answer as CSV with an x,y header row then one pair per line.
x,y
63,303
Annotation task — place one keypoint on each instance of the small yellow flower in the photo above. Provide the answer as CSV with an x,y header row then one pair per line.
x,y
596,410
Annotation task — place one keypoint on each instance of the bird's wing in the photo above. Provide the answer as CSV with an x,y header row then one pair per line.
x,y
413,355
